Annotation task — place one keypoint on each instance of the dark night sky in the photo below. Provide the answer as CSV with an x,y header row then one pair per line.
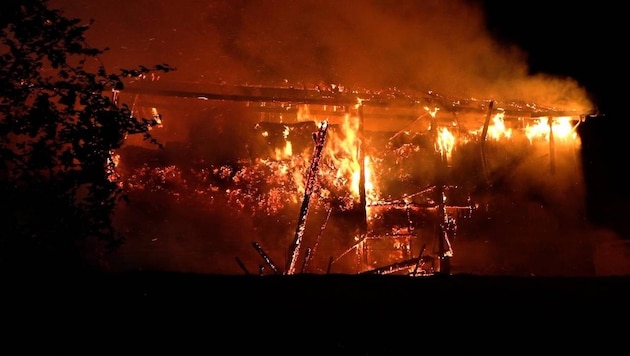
x,y
583,40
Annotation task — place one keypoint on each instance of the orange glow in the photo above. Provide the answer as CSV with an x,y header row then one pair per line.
x,y
156,116
433,111
287,151
113,162
342,150
445,142
303,113
370,189
561,127
497,130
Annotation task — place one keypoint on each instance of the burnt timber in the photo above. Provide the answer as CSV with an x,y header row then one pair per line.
x,y
331,97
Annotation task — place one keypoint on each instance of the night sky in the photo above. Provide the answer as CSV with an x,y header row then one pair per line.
x,y
582,40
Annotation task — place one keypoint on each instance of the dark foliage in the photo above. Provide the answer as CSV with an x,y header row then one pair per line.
x,y
60,122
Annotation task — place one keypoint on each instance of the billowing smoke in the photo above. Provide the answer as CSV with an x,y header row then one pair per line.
x,y
442,46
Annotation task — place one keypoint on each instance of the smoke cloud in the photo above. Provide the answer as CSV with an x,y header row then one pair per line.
x,y
433,45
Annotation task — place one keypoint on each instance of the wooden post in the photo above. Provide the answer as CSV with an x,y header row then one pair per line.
x,y
441,166
320,140
482,144
362,198
552,147
265,257
361,157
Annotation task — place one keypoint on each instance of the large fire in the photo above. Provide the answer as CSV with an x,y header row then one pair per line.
x,y
391,176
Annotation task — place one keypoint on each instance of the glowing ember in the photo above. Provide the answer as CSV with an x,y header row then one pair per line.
x,y
156,116
112,164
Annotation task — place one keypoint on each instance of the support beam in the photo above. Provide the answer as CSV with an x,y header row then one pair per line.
x,y
378,98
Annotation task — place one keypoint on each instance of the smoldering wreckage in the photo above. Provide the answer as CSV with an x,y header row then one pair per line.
x,y
321,179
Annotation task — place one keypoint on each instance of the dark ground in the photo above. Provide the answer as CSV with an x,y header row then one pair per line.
x,y
325,314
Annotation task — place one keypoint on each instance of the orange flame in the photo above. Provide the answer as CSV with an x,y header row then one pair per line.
x,y
497,130
445,142
433,111
561,127
343,151
287,151
303,113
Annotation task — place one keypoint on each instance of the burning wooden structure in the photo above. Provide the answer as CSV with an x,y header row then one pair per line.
x,y
407,225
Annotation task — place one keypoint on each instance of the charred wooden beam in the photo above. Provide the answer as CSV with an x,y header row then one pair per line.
x,y
265,257
397,266
242,265
552,147
363,224
397,99
247,93
482,145
410,113
308,258
444,248
355,245
320,139
420,262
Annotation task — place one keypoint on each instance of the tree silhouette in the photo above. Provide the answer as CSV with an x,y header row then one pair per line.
x,y
60,123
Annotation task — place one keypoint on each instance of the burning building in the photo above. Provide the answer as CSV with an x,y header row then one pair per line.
x,y
296,140
330,180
